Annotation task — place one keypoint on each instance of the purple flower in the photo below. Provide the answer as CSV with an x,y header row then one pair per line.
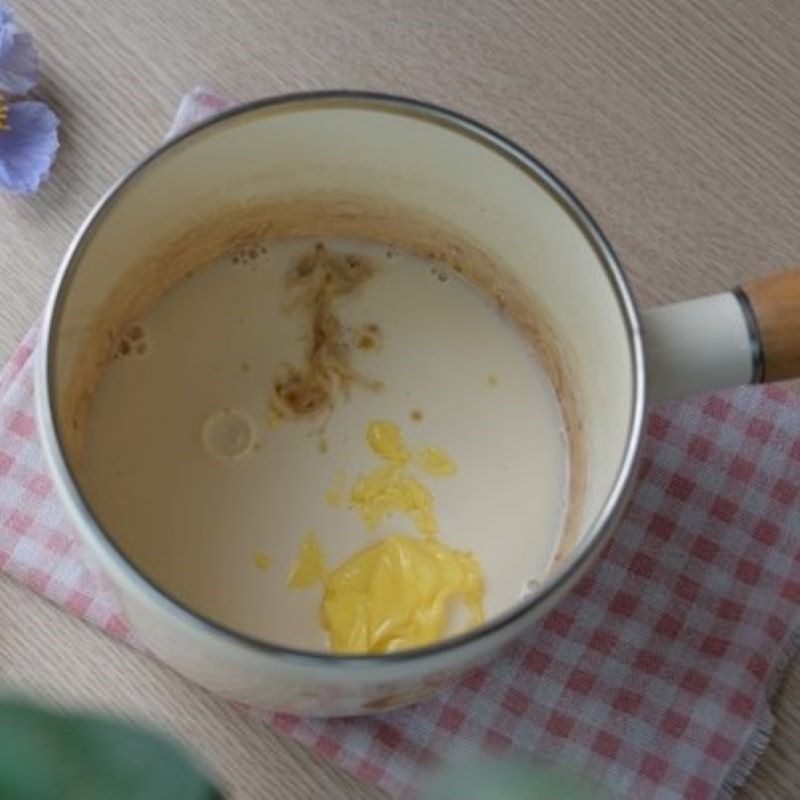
x,y
19,64
27,146
28,129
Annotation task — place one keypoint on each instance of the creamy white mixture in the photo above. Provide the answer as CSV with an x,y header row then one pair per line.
x,y
185,471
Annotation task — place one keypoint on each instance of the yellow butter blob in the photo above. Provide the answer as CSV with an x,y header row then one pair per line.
x,y
310,564
391,488
262,560
436,462
386,440
399,593
338,495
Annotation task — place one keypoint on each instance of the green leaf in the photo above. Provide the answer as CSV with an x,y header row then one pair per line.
x,y
46,755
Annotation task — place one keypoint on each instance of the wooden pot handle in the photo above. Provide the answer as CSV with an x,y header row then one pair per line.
x,y
775,305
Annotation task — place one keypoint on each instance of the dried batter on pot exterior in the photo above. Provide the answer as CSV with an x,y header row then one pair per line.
x,y
318,281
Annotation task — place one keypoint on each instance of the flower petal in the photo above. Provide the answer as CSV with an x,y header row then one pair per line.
x,y
28,148
19,64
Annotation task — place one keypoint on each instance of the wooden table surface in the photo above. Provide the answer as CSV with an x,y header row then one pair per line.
x,y
677,123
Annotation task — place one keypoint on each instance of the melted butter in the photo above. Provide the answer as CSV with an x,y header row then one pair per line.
x,y
309,568
436,462
386,440
337,495
262,560
390,488
399,593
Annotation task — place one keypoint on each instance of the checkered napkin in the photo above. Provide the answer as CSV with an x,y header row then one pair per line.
x,y
653,675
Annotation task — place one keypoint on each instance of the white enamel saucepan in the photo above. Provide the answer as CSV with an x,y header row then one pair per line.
x,y
373,166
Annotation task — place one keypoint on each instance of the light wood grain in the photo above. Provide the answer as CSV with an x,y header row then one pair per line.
x,y
677,123
775,303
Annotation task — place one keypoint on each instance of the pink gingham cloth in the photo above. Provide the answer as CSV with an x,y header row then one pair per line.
x,y
653,675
